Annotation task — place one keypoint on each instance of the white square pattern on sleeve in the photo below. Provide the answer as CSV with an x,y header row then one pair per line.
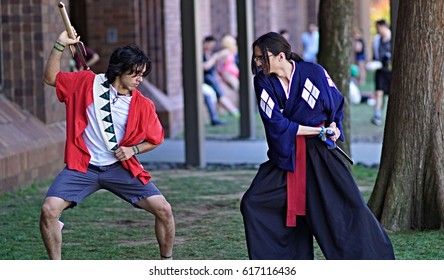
x,y
266,103
329,80
310,93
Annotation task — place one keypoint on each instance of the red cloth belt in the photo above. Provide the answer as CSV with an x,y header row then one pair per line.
x,y
296,184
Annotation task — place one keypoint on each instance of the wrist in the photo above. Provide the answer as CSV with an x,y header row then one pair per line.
x,y
321,133
59,46
135,149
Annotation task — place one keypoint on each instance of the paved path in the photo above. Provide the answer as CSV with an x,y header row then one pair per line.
x,y
244,152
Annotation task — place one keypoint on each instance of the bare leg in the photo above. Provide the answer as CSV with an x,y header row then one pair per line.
x,y
362,72
164,225
228,105
49,226
379,95
378,107
231,80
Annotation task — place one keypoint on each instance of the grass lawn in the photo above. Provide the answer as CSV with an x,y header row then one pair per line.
x,y
208,222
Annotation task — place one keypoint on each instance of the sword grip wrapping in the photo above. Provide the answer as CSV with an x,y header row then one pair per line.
x,y
329,131
332,145
325,138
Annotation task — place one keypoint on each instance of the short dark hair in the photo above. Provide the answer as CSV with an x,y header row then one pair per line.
x,y
381,22
283,31
209,38
128,58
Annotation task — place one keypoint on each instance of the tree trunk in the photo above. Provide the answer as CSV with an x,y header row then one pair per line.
x,y
335,50
409,190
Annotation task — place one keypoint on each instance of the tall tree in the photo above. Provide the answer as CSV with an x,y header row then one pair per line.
x,y
409,190
335,49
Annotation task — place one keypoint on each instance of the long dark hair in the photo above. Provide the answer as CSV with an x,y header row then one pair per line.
x,y
275,43
128,58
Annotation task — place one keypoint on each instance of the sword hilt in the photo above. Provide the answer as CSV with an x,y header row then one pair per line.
x,y
326,138
79,47
331,145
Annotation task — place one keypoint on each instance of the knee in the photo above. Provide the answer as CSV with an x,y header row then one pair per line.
x,y
164,211
49,211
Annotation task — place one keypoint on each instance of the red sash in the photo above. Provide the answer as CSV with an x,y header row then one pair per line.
x,y
296,184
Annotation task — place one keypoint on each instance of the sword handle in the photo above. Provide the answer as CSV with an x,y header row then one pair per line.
x,y
329,131
66,21
325,138
331,145
80,48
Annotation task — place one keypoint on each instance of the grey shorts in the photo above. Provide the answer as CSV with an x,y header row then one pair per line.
x,y
74,186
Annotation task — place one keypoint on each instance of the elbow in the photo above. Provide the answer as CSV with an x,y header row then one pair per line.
x,y
49,81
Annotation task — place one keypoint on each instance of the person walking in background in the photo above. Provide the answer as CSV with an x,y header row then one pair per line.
x,y
210,59
359,49
382,51
310,43
304,189
108,122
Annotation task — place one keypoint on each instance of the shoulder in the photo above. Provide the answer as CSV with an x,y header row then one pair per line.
x,y
143,100
315,73
377,37
310,68
262,80
260,77
78,74
75,77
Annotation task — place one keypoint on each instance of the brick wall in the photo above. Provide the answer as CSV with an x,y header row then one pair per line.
x,y
31,141
27,37
223,17
283,14
172,51
30,151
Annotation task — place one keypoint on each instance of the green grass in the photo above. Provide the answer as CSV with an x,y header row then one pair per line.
x,y
209,225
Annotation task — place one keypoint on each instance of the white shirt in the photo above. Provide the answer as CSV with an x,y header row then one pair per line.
x,y
100,155
287,89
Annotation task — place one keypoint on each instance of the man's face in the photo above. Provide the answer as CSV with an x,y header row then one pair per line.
x,y
131,81
267,67
209,46
381,29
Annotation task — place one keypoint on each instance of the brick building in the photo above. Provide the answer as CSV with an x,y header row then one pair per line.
x,y
31,118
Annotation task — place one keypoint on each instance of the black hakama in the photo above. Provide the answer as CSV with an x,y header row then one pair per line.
x,y
337,215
